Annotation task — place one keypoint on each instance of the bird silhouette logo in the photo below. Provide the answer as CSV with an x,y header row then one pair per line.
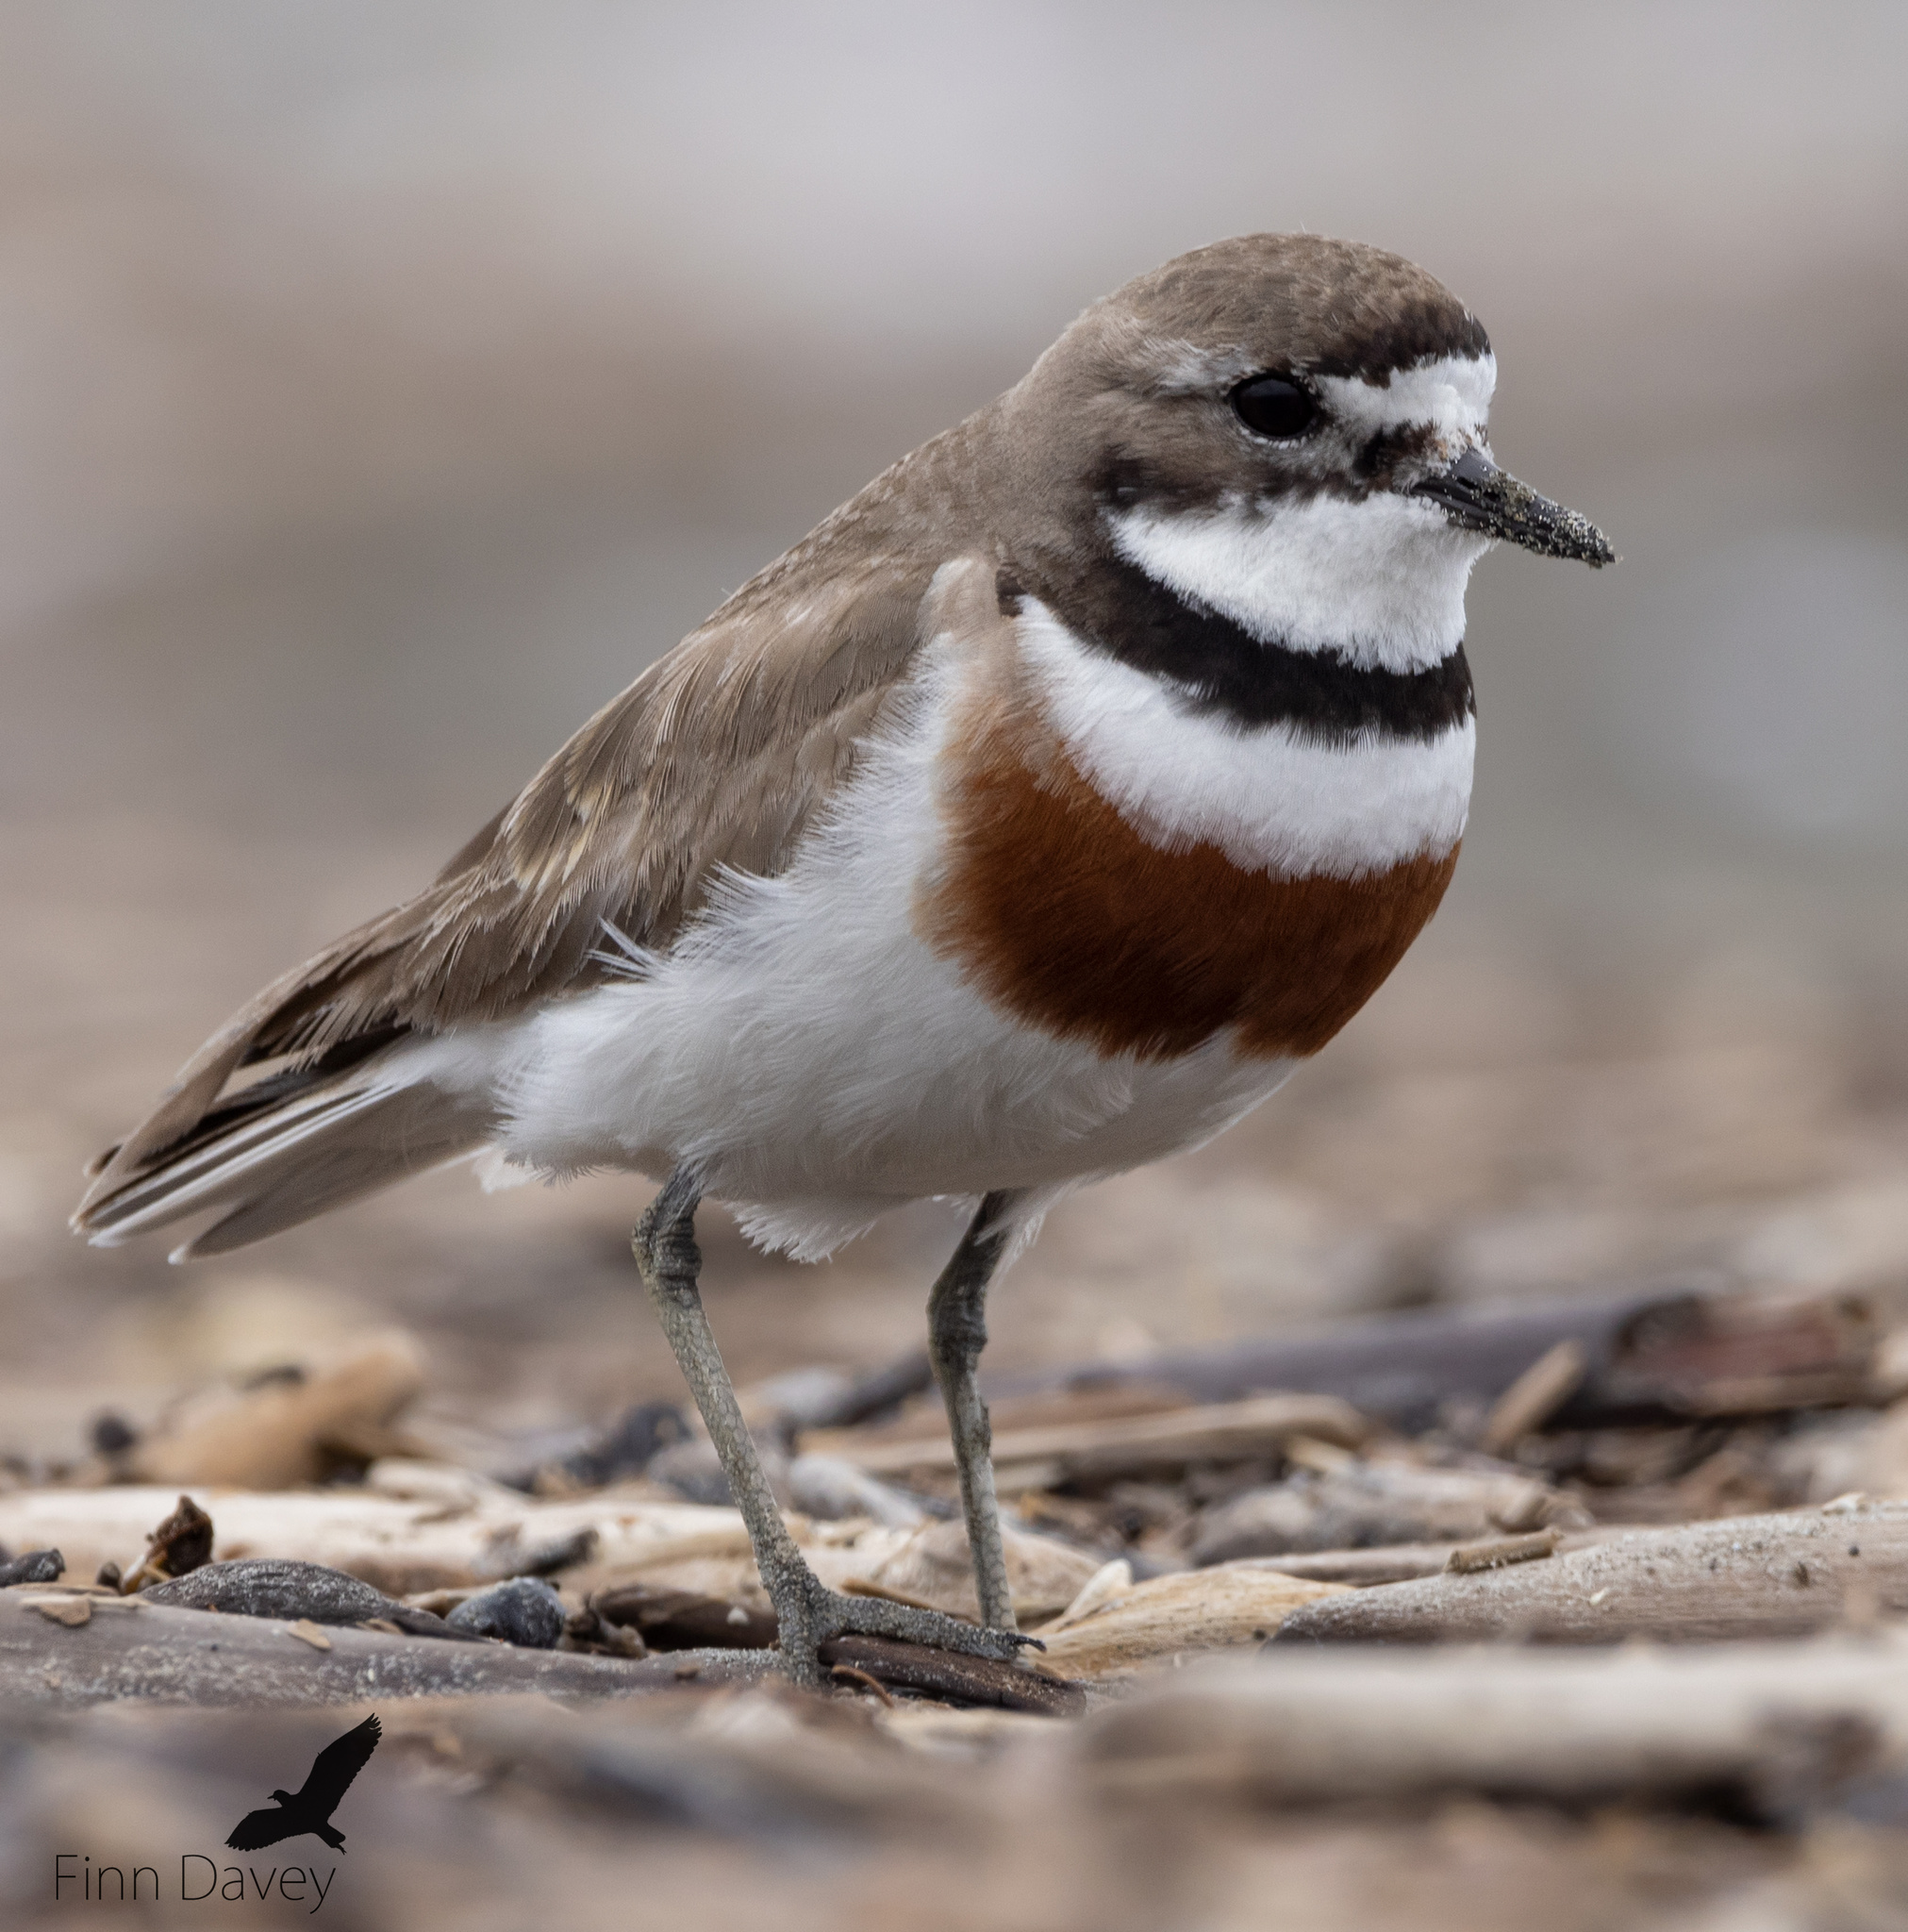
x,y
310,1807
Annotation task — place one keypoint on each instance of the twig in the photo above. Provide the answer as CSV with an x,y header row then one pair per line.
x,y
1535,1396
853,1673
961,1679
1128,1445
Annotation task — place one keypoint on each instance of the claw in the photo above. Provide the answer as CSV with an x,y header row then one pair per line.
x,y
835,1614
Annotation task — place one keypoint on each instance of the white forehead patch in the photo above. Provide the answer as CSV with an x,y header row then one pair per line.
x,y
1451,393
1381,581
1270,799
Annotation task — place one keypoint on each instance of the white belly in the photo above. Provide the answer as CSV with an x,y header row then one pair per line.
x,y
820,1064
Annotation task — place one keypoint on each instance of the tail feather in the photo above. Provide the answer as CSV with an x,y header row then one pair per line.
x,y
275,1164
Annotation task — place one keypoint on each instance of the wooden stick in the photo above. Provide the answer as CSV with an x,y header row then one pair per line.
x,y
1125,1445
964,1679
1182,1615
1388,1563
1652,1355
1498,1552
1535,1396
54,1648
1744,1576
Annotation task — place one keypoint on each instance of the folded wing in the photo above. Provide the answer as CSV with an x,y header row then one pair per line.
x,y
716,758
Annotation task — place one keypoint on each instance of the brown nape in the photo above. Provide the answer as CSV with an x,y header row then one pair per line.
x,y
1063,915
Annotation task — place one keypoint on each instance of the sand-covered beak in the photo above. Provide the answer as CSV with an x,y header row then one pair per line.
x,y
1478,496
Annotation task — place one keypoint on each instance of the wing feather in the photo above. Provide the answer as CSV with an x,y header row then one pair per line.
x,y
716,758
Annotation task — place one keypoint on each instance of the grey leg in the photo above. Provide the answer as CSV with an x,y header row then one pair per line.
x,y
808,1614
956,1332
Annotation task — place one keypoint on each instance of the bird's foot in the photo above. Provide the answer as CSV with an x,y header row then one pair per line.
x,y
825,1613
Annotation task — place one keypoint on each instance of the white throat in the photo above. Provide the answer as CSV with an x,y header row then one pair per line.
x,y
1380,581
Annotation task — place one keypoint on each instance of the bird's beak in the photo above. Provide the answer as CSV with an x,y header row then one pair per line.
x,y
1477,495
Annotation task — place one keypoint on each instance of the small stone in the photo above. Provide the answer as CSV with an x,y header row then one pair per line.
x,y
35,1566
112,1435
307,1632
525,1610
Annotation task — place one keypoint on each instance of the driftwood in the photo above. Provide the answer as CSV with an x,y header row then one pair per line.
x,y
1654,1355
685,1619
401,1544
871,1396
1377,1503
1117,1628
933,1568
77,1647
623,1449
294,1429
832,1489
1768,1725
1738,1577
1388,1563
930,1568
1401,1562
130,1647
1124,1446
86,1646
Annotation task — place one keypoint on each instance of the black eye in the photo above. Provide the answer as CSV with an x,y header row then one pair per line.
x,y
1273,406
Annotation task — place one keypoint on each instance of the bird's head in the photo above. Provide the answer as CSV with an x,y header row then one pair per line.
x,y
282,1797
1293,432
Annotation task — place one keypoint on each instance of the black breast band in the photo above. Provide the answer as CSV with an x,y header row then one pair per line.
x,y
1113,606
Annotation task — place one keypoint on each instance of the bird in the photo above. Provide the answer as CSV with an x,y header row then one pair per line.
x,y
1031,818
310,1807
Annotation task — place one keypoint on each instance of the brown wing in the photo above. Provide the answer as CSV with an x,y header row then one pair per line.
x,y
716,756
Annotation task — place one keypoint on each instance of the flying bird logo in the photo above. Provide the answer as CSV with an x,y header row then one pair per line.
x,y
310,1807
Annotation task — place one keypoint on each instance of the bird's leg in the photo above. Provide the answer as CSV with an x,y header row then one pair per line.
x,y
958,1331
670,1263
808,1615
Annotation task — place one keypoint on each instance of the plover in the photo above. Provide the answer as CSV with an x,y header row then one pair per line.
x,y
1031,818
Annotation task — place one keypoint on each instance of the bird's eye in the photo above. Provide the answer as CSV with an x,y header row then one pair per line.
x,y
1273,406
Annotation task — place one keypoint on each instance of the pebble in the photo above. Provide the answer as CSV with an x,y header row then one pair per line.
x,y
524,1610
34,1566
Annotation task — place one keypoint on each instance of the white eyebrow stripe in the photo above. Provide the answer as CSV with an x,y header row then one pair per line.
x,y
1450,393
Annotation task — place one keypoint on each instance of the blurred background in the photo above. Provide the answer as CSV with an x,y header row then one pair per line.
x,y
381,388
